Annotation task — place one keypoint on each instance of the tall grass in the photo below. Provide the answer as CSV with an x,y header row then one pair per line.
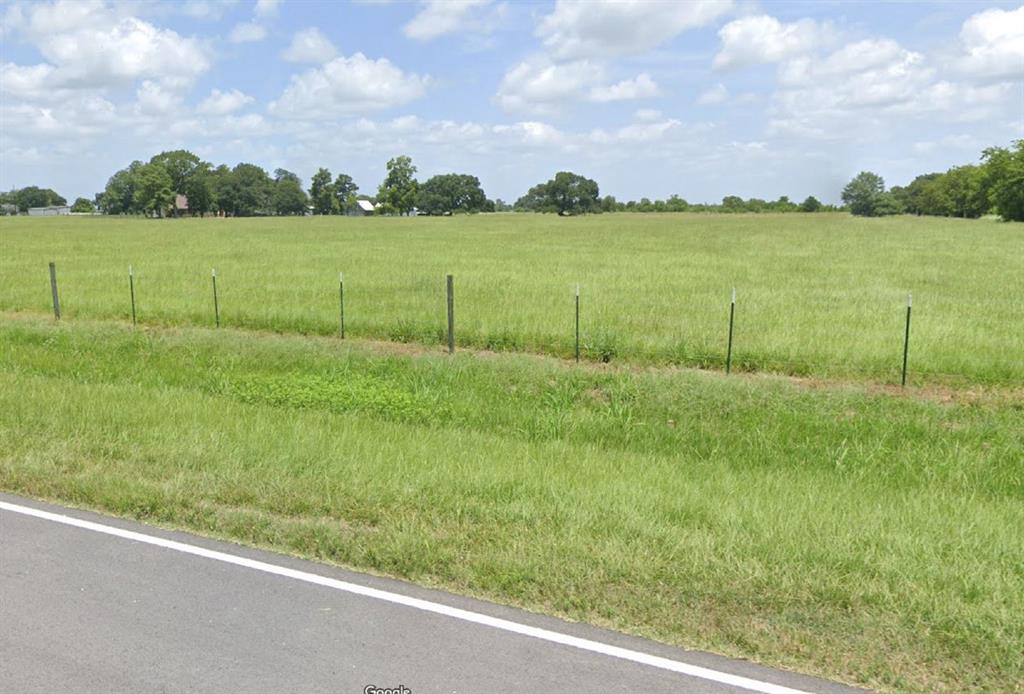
x,y
836,530
818,294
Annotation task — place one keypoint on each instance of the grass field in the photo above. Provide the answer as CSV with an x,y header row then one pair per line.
x,y
838,530
819,295
829,523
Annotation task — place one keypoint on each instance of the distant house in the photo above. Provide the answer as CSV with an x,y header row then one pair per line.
x,y
51,211
180,203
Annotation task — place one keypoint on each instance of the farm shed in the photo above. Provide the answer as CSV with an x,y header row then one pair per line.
x,y
363,208
51,211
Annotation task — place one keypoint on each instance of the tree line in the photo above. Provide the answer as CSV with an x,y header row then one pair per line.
x,y
995,186
247,190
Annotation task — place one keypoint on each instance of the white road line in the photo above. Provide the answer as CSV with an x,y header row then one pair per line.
x,y
416,603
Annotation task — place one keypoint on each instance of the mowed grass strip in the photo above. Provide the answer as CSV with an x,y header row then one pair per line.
x,y
858,535
820,295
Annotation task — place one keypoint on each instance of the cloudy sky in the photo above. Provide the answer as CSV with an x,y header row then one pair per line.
x,y
702,99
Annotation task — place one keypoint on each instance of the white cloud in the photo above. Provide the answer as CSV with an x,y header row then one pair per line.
x,y
537,86
647,114
247,32
764,39
993,43
636,132
348,85
440,17
601,28
153,99
90,46
532,133
715,95
309,46
872,85
77,117
641,87
265,8
873,71
29,82
205,9
220,103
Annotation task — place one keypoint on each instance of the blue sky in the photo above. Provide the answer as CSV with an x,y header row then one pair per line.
x,y
700,99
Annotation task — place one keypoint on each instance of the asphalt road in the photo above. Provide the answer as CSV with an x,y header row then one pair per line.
x,y
89,609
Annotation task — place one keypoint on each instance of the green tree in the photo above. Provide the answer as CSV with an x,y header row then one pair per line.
x,y
810,204
288,197
249,189
119,195
220,182
345,190
888,204
83,205
733,203
153,193
912,196
448,193
398,190
567,193
676,204
965,188
199,191
321,192
187,173
1004,180
34,196
863,194
180,165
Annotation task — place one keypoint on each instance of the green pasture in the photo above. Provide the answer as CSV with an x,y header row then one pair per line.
x,y
820,295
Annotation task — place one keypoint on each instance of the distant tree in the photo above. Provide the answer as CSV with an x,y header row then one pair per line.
x,y
1004,180
188,174
321,192
286,175
250,190
33,196
811,204
565,194
608,203
733,203
222,193
676,204
153,193
288,197
783,204
448,193
502,206
863,194
398,190
119,195
965,187
933,197
199,191
911,195
83,205
888,204
180,165
345,190
755,205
